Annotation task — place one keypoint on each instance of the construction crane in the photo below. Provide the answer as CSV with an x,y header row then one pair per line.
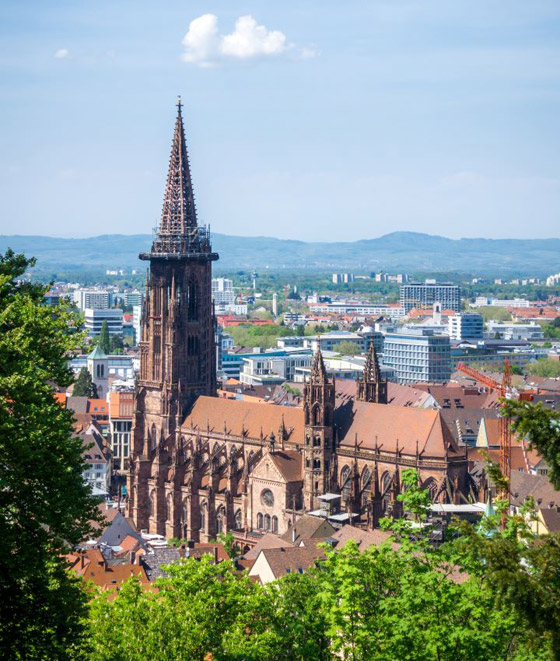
x,y
505,390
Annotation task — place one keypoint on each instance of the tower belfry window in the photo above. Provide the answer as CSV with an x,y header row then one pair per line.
x,y
192,309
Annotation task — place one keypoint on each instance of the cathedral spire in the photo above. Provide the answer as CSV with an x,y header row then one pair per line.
x,y
178,217
318,369
372,373
371,386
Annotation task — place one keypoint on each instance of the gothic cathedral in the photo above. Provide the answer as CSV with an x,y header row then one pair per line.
x,y
203,464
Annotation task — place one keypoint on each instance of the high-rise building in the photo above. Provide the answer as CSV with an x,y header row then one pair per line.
x,y
133,298
93,299
222,291
94,319
424,295
339,278
418,357
177,346
466,327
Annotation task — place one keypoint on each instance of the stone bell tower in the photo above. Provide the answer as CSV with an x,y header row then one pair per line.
x,y
177,346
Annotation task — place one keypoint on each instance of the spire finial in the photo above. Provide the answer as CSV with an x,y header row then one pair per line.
x,y
179,104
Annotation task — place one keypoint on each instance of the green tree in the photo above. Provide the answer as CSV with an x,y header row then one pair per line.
x,y
45,506
228,541
84,386
117,343
347,348
542,428
546,368
189,617
104,339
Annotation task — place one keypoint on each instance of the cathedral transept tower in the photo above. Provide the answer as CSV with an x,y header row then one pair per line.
x,y
371,386
319,453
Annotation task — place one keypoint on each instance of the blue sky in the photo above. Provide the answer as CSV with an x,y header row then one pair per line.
x,y
314,119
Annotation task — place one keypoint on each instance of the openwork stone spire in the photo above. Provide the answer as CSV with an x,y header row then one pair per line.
x,y
179,212
178,232
372,373
318,369
371,386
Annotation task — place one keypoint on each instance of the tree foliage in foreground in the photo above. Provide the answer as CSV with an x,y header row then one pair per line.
x,y
486,594
45,507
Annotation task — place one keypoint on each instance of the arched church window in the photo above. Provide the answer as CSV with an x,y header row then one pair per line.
x,y
154,438
345,482
169,507
203,517
221,520
192,307
267,522
317,442
366,478
260,520
431,485
152,503
238,520
315,415
274,524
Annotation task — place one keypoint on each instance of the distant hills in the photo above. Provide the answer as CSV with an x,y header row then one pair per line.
x,y
399,251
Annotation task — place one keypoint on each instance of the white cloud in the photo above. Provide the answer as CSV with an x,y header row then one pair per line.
x,y
251,40
61,53
206,47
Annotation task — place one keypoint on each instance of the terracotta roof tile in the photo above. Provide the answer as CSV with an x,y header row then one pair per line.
x,y
295,559
392,427
289,463
250,417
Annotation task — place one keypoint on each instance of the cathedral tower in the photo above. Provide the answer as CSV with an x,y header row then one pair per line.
x,y
177,347
371,387
319,450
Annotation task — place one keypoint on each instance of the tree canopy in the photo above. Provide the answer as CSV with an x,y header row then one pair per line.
x,y
45,507
104,339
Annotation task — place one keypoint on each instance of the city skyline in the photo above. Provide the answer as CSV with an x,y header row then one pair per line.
x,y
434,117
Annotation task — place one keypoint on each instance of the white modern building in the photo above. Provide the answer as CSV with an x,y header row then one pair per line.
x,y
424,295
360,309
339,278
332,341
133,298
466,327
96,299
238,309
268,370
94,319
222,291
483,301
503,331
418,357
